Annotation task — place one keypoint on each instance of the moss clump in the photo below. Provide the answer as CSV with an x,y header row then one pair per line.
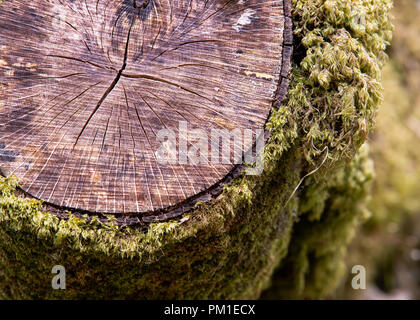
x,y
334,95
230,247
384,238
330,213
387,239
336,88
396,142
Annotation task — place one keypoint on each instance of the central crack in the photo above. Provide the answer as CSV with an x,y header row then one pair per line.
x,y
113,84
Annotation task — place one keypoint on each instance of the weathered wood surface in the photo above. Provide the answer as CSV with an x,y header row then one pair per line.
x,y
85,85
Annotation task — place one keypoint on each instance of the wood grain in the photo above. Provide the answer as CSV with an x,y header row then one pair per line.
x,y
85,85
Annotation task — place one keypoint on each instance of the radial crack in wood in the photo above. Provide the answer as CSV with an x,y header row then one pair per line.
x,y
87,86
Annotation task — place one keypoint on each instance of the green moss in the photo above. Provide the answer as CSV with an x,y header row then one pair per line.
x,y
387,238
230,247
333,99
336,91
226,252
330,214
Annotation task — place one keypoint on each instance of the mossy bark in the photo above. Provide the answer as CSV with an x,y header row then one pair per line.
x,y
229,248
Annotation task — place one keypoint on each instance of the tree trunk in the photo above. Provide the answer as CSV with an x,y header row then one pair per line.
x,y
104,108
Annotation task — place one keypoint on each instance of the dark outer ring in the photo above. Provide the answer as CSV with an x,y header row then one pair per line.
x,y
188,205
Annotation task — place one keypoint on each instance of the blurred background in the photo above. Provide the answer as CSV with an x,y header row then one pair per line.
x,y
388,245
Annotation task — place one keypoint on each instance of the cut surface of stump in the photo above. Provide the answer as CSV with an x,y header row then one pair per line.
x,y
87,86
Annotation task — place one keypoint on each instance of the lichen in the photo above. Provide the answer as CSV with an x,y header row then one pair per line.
x,y
230,247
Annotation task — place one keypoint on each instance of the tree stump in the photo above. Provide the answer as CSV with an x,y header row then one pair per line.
x,y
88,86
